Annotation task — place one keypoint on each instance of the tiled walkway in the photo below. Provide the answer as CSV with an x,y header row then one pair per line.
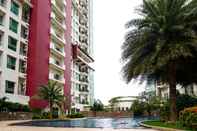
x,y
4,126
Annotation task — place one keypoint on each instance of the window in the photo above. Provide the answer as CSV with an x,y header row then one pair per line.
x,y
25,13
9,87
13,25
22,66
11,62
21,86
57,76
1,39
12,43
14,8
23,49
1,19
24,32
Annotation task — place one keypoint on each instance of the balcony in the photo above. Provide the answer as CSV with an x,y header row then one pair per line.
x,y
60,24
21,86
83,30
22,66
84,102
23,49
1,40
27,2
57,78
57,38
161,85
57,65
58,8
84,70
84,79
26,14
24,32
1,61
80,56
84,89
83,8
57,50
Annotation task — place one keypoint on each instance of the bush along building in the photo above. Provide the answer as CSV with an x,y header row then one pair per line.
x,y
46,40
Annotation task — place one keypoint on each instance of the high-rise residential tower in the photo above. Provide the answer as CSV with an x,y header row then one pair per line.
x,y
41,41
82,72
14,30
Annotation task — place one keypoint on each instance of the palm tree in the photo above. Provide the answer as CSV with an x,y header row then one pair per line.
x,y
52,93
160,43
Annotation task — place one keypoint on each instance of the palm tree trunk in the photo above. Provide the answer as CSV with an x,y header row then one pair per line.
x,y
51,109
172,89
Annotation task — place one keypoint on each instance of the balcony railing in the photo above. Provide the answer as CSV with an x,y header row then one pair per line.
x,y
58,51
57,37
60,11
81,55
57,78
59,24
57,65
83,89
84,102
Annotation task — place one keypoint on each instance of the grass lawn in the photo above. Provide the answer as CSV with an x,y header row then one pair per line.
x,y
167,125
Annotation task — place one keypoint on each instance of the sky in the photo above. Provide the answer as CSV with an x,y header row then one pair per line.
x,y
109,18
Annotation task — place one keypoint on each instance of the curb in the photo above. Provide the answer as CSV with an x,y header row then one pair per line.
x,y
159,128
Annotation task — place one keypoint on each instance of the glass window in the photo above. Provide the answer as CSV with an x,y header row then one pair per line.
x,y
21,86
12,43
13,25
9,87
14,8
11,62
1,19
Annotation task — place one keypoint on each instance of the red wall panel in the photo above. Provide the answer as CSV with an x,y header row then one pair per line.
x,y
38,49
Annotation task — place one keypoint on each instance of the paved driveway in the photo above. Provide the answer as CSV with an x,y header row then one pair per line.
x,y
4,126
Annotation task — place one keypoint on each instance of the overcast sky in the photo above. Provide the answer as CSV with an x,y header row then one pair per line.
x,y
109,19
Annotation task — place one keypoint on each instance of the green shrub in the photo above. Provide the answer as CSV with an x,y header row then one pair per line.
x,y
36,111
75,115
36,116
97,106
13,107
188,117
183,101
138,108
164,112
44,115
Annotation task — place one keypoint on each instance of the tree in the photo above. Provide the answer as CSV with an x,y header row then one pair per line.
x,y
162,45
53,94
97,106
138,108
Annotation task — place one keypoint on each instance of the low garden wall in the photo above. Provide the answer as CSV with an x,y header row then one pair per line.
x,y
15,116
107,114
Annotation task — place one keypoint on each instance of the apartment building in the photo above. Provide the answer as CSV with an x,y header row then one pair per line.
x,y
162,90
82,73
44,40
14,30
